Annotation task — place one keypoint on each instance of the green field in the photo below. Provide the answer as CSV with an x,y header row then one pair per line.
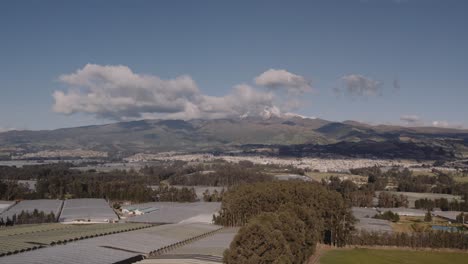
x,y
376,256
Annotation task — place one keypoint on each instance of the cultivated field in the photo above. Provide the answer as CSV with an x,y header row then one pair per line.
x,y
45,205
21,238
460,178
318,176
412,196
416,224
169,212
115,247
365,220
378,256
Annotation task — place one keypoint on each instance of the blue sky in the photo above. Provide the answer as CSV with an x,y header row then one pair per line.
x,y
377,61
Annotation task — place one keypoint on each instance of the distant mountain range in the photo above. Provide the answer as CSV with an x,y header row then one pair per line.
x,y
294,135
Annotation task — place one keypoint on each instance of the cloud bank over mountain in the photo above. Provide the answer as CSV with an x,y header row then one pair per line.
x,y
115,92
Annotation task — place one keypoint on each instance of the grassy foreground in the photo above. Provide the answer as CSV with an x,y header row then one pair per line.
x,y
376,256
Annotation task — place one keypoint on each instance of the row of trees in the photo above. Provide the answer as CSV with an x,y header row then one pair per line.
x,y
172,194
428,239
442,203
389,200
26,217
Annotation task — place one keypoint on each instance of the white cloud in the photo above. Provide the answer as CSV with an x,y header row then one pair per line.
x,y
291,115
358,85
117,93
282,79
447,124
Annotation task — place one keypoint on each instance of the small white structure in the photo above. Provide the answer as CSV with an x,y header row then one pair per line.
x,y
129,210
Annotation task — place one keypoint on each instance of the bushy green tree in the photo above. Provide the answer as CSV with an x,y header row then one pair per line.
x,y
388,215
258,243
243,203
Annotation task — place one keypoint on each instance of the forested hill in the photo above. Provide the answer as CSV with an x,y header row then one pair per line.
x,y
226,134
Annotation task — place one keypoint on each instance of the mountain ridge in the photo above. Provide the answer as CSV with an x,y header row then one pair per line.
x,y
157,135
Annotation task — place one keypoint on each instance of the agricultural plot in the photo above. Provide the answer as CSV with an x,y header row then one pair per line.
x,y
128,246
319,176
461,178
69,253
366,222
412,196
44,205
410,224
449,215
87,210
28,229
214,245
4,205
199,190
21,238
376,256
287,177
168,212
195,259
401,211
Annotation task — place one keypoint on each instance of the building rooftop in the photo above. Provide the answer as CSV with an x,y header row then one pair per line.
x,y
120,247
176,212
44,205
92,210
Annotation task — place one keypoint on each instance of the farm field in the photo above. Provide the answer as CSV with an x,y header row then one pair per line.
x,y
379,256
413,196
20,238
318,176
461,179
123,247
423,172
416,224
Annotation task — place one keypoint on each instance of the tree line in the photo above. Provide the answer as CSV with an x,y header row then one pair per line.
x,y
172,194
60,181
443,203
389,200
428,239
